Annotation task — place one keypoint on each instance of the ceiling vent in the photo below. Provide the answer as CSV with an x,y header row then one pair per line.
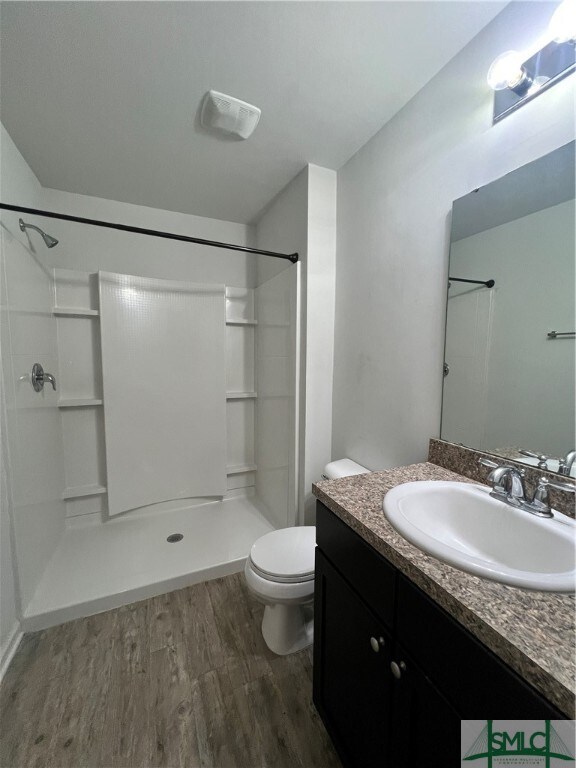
x,y
229,115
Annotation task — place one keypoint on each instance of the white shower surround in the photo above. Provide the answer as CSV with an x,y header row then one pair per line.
x,y
164,370
102,562
56,551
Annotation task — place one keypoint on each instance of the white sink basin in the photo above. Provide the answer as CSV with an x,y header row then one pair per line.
x,y
462,525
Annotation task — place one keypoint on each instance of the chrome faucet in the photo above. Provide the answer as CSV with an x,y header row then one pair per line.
x,y
565,466
507,483
508,486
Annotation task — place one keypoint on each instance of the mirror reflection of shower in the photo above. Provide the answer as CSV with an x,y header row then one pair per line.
x,y
48,239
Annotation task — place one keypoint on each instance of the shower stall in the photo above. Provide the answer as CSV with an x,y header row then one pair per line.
x,y
166,442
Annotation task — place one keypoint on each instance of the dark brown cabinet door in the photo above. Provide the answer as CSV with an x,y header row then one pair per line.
x,y
426,727
352,680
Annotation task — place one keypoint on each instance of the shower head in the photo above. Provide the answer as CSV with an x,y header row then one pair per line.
x,y
48,239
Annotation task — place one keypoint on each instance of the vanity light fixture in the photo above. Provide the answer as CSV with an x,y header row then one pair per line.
x,y
519,77
507,71
562,25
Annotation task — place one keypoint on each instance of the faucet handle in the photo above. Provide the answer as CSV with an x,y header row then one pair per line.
x,y
526,452
492,477
542,458
540,504
39,377
488,463
558,486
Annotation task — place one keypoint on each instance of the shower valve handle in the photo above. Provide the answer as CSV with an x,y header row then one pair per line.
x,y
39,378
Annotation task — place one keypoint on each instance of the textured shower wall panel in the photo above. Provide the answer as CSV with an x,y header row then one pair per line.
x,y
164,378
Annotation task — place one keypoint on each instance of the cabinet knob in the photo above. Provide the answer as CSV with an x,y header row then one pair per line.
x,y
397,669
377,643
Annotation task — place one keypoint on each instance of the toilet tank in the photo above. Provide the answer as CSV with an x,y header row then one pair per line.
x,y
343,468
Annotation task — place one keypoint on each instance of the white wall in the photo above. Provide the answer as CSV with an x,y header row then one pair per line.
x,y
91,249
11,181
530,379
283,226
394,203
32,455
9,605
319,333
302,218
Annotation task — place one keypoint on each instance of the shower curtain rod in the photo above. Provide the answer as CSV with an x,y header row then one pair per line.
x,y
487,283
293,257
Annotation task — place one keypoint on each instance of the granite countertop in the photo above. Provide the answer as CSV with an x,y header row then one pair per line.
x,y
533,632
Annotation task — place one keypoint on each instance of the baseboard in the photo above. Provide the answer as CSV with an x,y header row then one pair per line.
x,y
10,648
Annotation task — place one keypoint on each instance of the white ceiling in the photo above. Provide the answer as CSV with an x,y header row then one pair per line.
x,y
102,97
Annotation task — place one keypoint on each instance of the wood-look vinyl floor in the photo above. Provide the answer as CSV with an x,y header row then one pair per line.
x,y
183,679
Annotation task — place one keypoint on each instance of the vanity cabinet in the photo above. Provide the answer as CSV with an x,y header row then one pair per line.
x,y
394,674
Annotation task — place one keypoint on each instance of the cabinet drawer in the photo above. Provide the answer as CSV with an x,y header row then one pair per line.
x,y
477,683
371,575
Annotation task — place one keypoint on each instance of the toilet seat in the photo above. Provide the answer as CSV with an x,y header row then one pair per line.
x,y
272,592
285,556
276,578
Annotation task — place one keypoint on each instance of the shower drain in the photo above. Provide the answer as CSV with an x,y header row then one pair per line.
x,y
174,537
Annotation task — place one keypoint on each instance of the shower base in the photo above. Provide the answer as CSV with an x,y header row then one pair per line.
x,y
99,567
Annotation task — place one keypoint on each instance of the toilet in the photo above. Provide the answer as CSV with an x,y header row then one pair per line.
x,y
280,573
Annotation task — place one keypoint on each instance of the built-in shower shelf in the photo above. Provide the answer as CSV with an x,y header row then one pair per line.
x,y
241,322
236,470
75,311
78,402
83,490
240,395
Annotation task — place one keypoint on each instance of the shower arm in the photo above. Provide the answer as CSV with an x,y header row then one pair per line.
x,y
292,257
49,241
24,227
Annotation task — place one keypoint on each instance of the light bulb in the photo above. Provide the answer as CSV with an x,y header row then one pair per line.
x,y
506,71
562,26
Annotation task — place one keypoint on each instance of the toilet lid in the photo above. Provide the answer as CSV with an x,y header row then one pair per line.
x,y
287,553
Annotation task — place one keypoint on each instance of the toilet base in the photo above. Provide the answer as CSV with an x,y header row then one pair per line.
x,y
287,628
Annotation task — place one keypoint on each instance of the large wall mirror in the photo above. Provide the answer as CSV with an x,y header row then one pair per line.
x,y
509,372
